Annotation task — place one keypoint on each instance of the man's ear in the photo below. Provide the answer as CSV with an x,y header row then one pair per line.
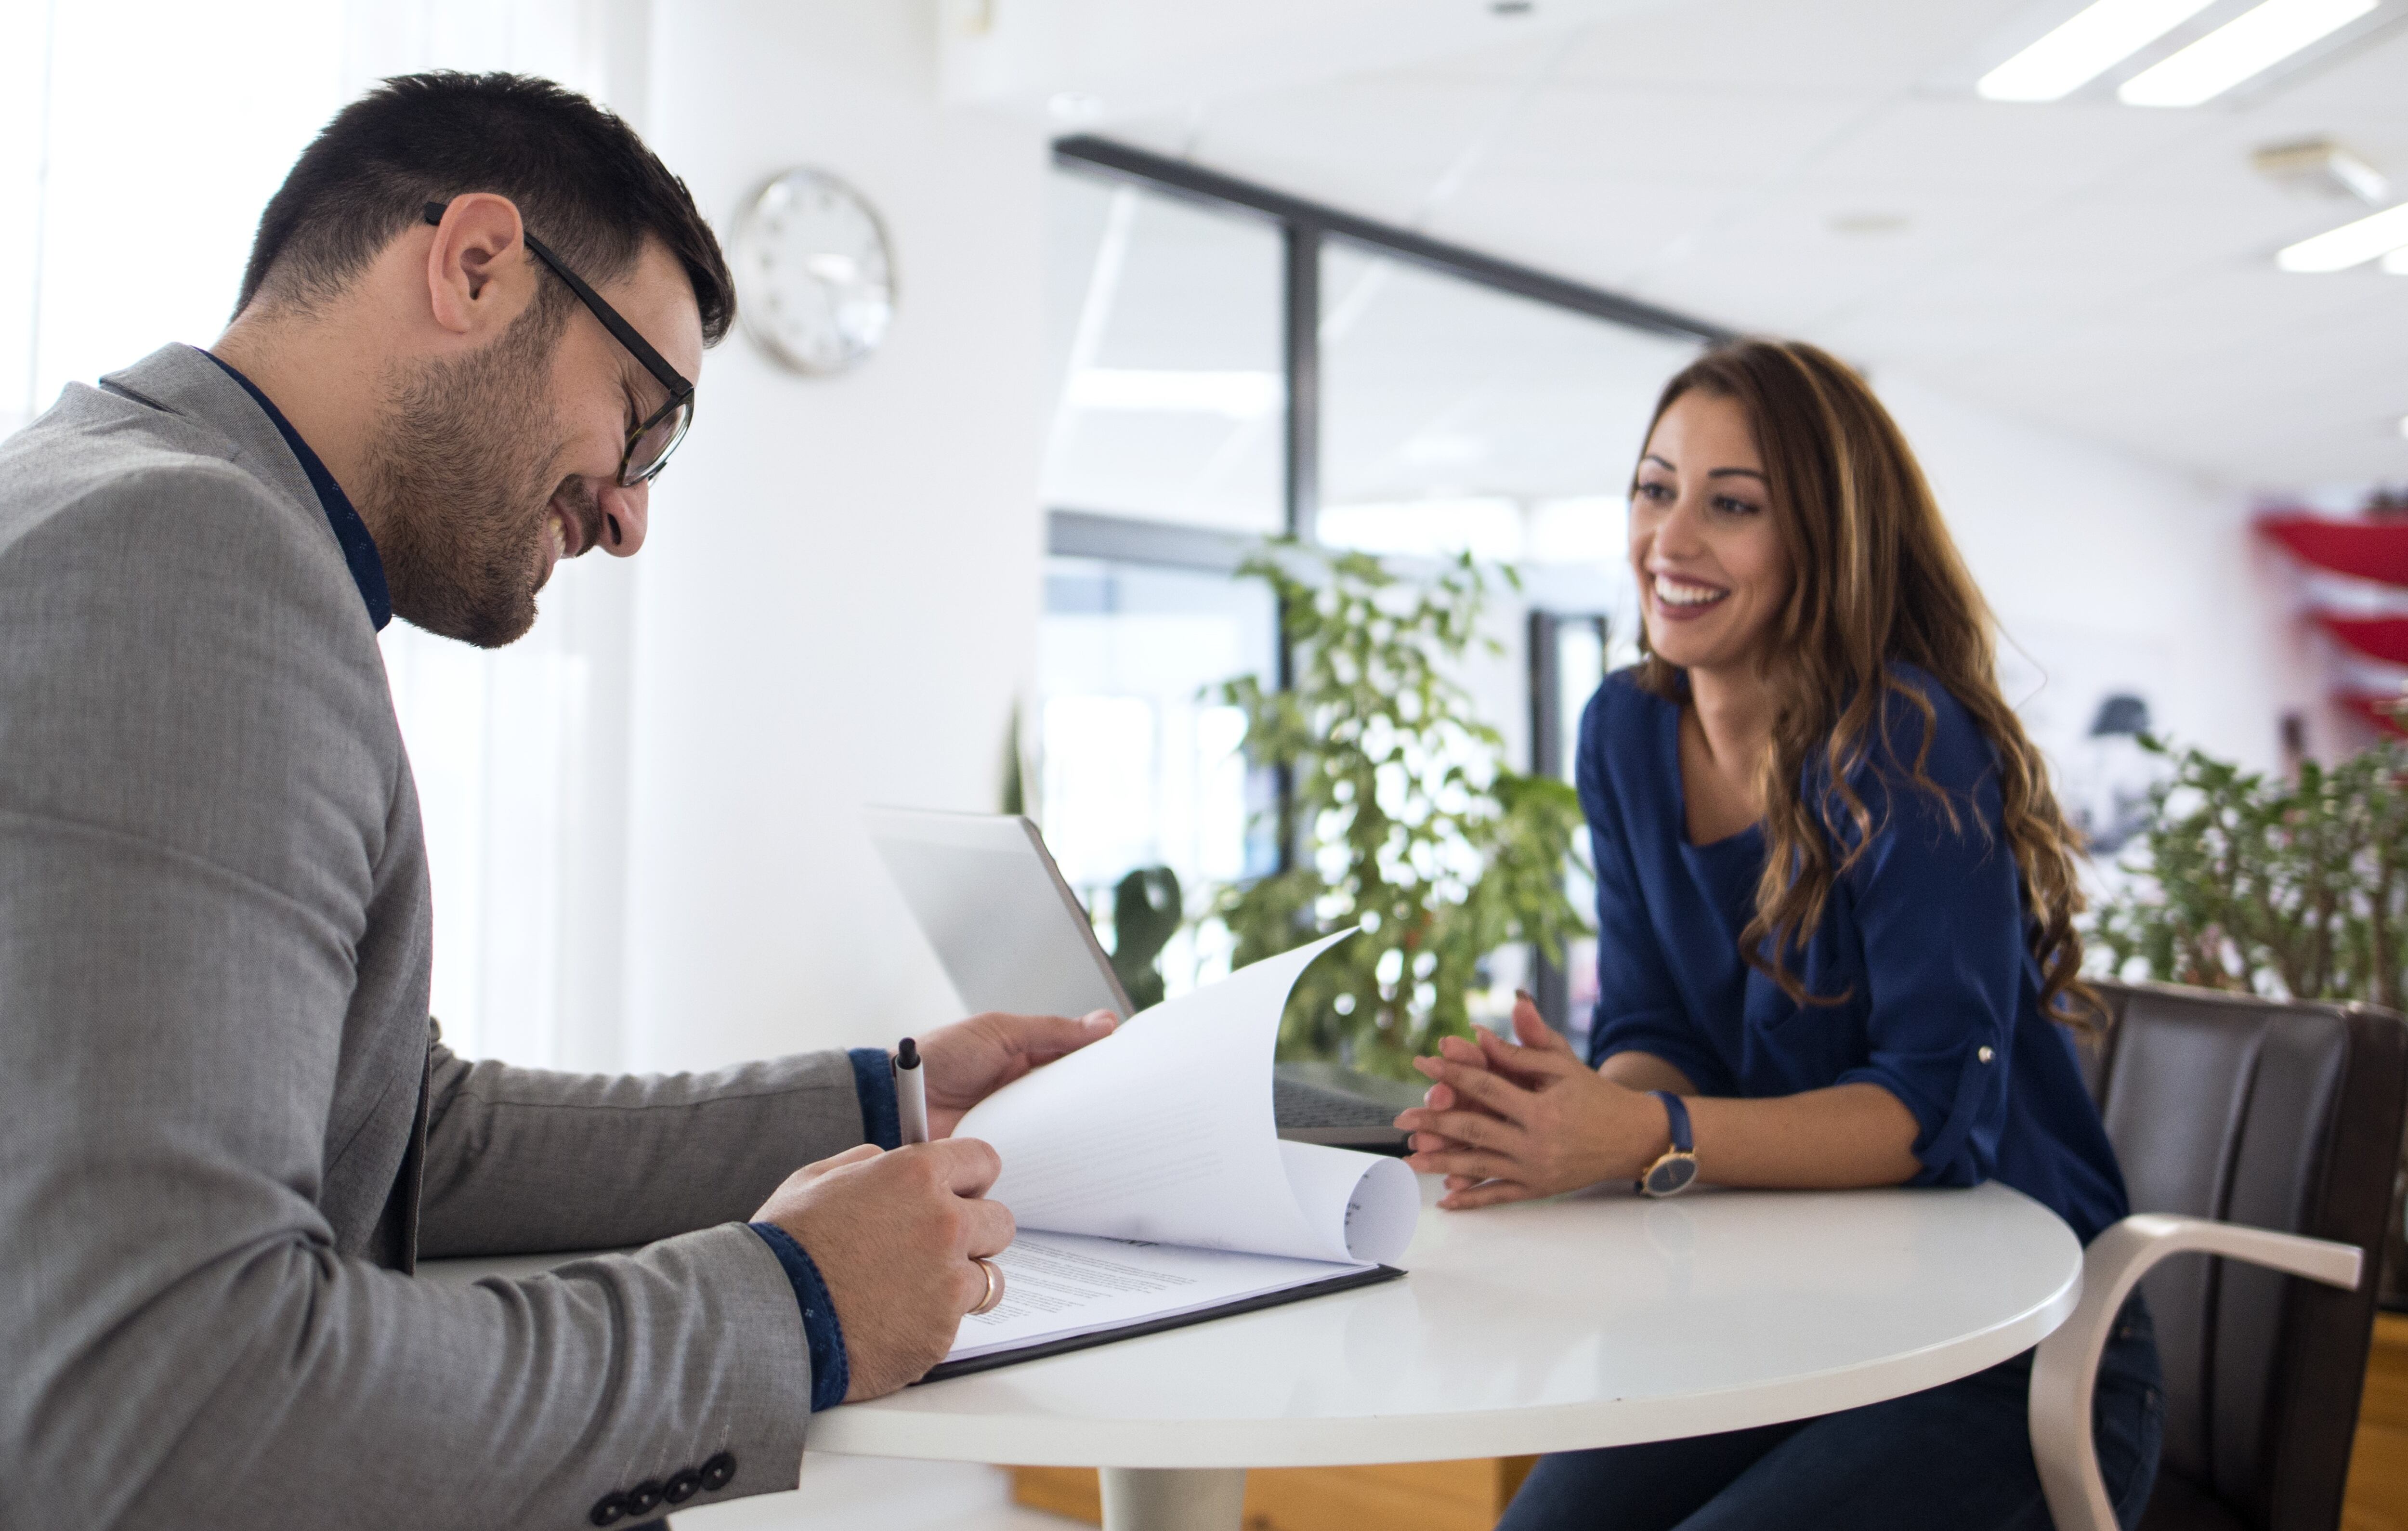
x,y
478,272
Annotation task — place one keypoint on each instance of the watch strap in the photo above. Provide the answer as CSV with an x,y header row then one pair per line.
x,y
1676,1110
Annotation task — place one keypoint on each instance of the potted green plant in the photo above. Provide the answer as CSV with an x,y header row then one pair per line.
x,y
1402,817
2288,886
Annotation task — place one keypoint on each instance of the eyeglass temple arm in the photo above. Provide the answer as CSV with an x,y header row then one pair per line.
x,y
621,331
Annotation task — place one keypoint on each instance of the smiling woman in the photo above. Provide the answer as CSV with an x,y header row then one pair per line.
x,y
1877,581
1711,568
1834,902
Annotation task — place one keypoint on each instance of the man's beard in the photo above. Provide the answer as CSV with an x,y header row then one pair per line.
x,y
460,478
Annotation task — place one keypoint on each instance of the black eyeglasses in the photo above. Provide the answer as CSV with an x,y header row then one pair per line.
x,y
649,445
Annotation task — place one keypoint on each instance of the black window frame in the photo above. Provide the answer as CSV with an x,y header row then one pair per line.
x,y
1306,229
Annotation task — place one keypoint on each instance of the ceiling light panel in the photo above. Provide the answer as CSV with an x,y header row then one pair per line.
x,y
2249,44
2352,244
2397,262
2095,40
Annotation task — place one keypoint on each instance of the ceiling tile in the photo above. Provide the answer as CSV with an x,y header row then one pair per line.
x,y
1782,46
2103,269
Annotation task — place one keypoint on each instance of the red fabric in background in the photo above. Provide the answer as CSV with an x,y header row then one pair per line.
x,y
2370,550
2365,550
2376,637
2372,708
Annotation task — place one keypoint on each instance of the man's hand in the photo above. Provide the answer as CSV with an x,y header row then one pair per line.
x,y
893,1233
972,1059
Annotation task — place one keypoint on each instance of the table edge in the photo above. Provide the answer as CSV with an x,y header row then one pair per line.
x,y
1038,1441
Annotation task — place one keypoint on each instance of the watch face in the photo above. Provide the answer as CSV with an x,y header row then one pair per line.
x,y
1670,1174
814,279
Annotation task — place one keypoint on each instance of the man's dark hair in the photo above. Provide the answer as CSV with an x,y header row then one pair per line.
x,y
584,182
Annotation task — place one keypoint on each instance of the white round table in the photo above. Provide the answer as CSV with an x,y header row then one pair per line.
x,y
1598,1319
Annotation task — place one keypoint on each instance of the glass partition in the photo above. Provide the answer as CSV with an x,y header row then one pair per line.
x,y
1137,760
1456,403
1455,417
1164,323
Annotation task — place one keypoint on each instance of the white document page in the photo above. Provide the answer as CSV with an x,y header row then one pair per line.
x,y
1162,1134
1058,1286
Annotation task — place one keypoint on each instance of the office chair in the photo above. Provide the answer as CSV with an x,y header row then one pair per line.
x,y
2268,1134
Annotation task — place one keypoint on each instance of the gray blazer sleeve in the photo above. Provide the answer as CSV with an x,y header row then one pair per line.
x,y
523,1161
187,869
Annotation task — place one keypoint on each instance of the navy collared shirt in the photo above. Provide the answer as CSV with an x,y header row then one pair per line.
x,y
1922,943
350,531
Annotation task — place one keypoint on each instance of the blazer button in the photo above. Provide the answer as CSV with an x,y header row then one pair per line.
x,y
683,1486
610,1508
718,1472
1984,1054
644,1498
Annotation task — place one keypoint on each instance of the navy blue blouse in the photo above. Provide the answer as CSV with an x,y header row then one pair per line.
x,y
1925,935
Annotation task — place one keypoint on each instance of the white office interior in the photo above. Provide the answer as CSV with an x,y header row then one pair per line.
x,y
876,586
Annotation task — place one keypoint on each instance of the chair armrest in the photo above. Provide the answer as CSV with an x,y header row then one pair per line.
x,y
2065,1365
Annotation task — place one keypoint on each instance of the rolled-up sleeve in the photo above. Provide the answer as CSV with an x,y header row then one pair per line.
x,y
1638,1007
1940,909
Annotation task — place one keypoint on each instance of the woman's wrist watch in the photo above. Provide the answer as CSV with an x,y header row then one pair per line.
x,y
1673,1173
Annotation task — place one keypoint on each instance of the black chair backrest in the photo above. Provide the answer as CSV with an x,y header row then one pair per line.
x,y
2277,1115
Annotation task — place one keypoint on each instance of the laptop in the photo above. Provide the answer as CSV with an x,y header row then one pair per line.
x,y
1012,937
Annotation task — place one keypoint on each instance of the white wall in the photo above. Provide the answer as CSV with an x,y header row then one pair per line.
x,y
839,597
2100,564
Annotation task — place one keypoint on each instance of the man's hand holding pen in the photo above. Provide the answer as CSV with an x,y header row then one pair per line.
x,y
899,1237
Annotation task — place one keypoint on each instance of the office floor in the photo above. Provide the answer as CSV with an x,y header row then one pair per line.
x,y
847,1493
2378,1469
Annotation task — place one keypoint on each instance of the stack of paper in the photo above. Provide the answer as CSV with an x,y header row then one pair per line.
x,y
1151,1185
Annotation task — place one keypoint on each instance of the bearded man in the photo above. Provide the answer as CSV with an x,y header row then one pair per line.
x,y
464,344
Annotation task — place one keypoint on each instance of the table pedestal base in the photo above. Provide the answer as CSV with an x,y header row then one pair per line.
x,y
1173,1498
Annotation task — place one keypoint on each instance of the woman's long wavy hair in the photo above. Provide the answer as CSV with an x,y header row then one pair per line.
x,y
1874,579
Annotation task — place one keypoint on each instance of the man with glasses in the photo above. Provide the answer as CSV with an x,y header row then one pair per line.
x,y
466,344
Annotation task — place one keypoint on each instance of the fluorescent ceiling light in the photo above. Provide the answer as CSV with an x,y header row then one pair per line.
x,y
2256,39
2397,262
2338,249
1239,395
2096,38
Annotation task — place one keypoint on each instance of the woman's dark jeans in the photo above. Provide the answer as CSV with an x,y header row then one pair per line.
x,y
1957,1456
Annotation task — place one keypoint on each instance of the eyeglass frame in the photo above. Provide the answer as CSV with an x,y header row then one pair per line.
x,y
680,391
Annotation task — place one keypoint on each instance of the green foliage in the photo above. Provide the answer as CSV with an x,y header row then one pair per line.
x,y
1015,790
1410,822
1147,909
2293,888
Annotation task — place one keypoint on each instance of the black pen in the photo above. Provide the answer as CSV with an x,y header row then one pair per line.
x,y
910,1093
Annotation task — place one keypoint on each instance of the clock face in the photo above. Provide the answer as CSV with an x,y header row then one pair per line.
x,y
815,281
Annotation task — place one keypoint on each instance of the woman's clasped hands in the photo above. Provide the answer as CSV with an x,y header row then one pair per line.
x,y
1508,1122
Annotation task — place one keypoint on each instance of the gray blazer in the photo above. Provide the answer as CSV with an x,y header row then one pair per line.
x,y
227,1127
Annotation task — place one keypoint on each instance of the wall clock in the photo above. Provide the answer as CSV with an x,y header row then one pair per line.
x,y
814,274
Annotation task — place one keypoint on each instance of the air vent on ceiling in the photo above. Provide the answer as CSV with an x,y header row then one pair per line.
x,y
2321,168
